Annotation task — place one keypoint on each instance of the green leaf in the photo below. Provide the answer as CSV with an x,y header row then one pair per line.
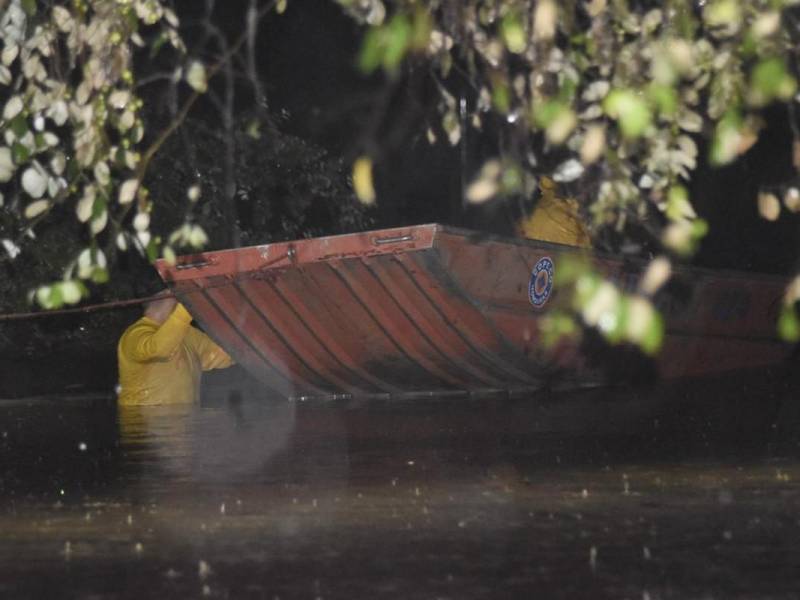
x,y
678,205
513,33
722,12
511,179
158,43
56,298
29,6
196,77
789,324
664,97
613,325
253,129
547,112
586,286
421,26
556,326
699,229
100,275
749,45
501,95
73,169
99,206
42,295
562,126
654,335
725,143
152,250
19,125
398,36
770,80
119,157
630,110
371,54
20,153
569,270
71,291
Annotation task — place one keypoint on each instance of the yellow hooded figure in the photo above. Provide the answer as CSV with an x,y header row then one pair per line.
x,y
161,356
555,219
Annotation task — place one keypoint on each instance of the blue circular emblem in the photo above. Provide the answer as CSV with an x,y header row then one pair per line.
x,y
541,283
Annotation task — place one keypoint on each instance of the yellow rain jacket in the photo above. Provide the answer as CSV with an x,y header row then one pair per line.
x,y
555,219
162,363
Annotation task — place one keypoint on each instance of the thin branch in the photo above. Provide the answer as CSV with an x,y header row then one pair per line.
x,y
148,155
155,78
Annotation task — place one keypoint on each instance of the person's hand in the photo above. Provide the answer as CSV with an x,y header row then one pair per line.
x,y
161,306
169,304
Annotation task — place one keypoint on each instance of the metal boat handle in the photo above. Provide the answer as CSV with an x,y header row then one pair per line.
x,y
392,239
194,265
291,254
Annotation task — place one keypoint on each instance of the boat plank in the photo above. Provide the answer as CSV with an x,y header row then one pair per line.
x,y
432,309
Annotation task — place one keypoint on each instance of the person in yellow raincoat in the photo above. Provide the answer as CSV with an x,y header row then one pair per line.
x,y
161,357
555,219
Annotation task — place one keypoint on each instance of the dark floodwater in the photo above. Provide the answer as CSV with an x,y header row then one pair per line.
x,y
652,494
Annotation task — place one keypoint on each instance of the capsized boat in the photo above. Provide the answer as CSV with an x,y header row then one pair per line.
x,y
432,309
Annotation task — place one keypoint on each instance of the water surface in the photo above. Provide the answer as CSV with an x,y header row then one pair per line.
x,y
644,494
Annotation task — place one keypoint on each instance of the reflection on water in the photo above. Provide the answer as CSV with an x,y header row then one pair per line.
x,y
231,442
645,494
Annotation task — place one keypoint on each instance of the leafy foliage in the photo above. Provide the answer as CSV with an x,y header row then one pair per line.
x,y
71,125
79,83
614,98
286,188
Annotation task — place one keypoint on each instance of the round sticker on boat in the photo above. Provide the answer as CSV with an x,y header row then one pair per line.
x,y
541,283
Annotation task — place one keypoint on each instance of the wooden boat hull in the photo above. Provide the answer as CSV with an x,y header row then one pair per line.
x,y
431,309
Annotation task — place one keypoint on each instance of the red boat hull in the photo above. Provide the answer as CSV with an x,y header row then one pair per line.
x,y
432,309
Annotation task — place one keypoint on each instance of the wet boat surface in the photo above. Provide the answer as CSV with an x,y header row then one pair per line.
x,y
435,308
253,497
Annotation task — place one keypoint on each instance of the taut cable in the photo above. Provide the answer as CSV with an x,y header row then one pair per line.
x,y
81,309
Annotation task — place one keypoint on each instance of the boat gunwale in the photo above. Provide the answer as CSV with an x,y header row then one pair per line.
x,y
185,262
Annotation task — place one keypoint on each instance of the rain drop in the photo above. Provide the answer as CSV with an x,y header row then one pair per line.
x,y
203,569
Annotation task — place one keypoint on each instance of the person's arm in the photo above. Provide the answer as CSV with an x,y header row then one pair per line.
x,y
211,355
142,344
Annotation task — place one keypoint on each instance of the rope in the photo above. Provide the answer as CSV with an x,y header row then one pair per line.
x,y
290,253
81,309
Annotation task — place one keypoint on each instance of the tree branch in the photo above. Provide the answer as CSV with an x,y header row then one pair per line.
x,y
147,156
